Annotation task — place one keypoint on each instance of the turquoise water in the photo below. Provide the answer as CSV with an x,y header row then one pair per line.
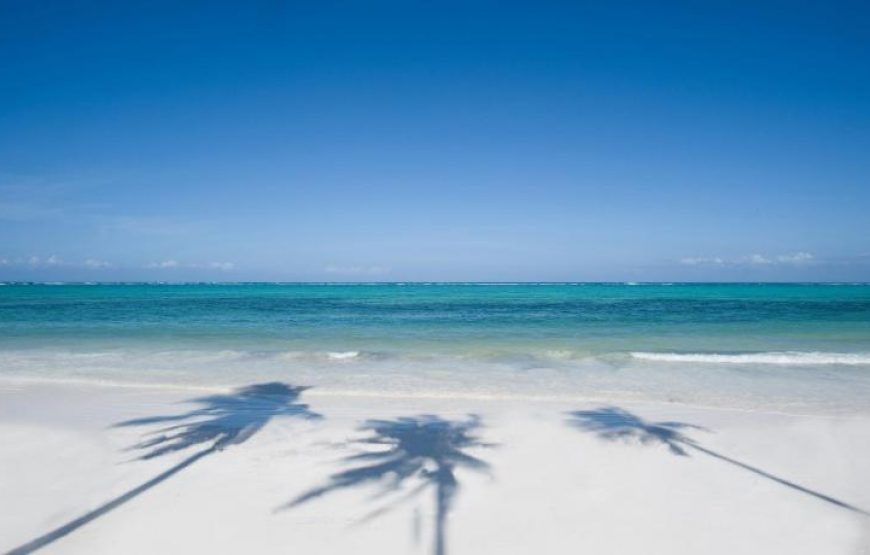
x,y
787,346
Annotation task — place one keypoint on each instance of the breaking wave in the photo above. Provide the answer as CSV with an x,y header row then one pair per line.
x,y
785,357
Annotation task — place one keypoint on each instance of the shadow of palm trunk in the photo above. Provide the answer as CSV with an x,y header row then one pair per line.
x,y
446,490
779,480
74,525
220,421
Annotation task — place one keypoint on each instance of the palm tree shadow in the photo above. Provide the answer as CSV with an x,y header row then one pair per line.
x,y
220,421
223,420
614,423
421,452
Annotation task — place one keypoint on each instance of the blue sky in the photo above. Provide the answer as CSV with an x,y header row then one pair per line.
x,y
357,141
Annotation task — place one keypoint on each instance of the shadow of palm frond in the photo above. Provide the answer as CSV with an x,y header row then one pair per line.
x,y
421,452
221,421
614,423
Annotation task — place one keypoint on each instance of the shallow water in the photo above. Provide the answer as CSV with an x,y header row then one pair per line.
x,y
797,347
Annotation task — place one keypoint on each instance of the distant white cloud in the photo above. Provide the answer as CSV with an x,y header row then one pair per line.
x,y
758,260
700,261
356,270
54,261
93,263
164,264
225,266
173,264
797,258
97,264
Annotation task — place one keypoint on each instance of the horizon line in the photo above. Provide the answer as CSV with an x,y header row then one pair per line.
x,y
423,282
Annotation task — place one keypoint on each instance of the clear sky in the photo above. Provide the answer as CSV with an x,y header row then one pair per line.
x,y
361,141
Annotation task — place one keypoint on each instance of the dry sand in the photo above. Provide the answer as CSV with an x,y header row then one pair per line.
x,y
522,479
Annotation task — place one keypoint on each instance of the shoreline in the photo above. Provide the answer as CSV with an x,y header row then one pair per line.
x,y
11,383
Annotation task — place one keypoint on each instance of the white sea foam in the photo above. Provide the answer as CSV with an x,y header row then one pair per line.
x,y
785,357
327,356
545,374
342,355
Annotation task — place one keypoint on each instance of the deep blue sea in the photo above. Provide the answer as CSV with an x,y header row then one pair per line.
x,y
791,347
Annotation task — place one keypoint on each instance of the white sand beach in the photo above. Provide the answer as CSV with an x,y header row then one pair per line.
x,y
434,278
520,477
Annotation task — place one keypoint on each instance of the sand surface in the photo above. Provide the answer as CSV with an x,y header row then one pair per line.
x,y
518,477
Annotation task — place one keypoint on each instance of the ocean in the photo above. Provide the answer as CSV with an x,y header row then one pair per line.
x,y
786,347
